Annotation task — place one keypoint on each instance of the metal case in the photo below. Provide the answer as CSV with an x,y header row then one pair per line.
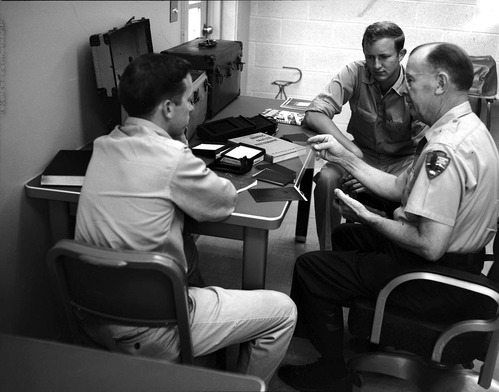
x,y
199,101
223,66
114,50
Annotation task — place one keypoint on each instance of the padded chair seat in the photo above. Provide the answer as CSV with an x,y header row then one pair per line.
x,y
404,330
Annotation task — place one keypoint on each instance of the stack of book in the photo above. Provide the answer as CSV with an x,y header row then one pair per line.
x,y
276,149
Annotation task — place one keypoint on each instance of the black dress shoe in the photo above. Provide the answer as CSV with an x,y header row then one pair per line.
x,y
315,377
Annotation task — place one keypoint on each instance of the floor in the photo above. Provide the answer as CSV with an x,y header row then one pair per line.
x,y
221,265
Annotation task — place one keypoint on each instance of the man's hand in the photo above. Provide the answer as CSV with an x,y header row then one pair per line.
x,y
328,148
350,208
351,186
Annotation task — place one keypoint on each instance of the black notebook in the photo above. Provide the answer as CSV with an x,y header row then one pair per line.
x,y
274,177
277,194
68,168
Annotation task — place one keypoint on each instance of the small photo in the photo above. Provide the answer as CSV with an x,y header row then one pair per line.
x,y
296,104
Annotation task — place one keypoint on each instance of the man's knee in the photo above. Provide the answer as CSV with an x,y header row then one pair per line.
x,y
328,178
280,307
305,265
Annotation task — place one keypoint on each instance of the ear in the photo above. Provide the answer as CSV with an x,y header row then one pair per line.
x,y
167,108
402,54
443,83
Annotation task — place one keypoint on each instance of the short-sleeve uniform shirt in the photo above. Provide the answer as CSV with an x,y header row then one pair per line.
x,y
455,180
381,125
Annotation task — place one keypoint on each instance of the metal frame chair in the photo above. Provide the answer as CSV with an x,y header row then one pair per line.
x,y
129,287
430,372
282,84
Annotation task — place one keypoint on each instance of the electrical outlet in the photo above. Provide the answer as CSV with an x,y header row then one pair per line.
x,y
174,11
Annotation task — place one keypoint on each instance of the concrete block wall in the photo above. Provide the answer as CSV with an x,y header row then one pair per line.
x,y
321,36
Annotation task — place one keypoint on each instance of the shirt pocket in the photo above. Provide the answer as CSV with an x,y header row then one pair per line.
x,y
398,131
362,127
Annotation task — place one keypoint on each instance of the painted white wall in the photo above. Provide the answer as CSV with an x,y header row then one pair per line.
x,y
321,36
50,103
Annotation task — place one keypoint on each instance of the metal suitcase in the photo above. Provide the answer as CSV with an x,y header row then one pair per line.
x,y
114,50
199,101
223,66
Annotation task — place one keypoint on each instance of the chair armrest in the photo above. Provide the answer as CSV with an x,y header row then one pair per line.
x,y
447,276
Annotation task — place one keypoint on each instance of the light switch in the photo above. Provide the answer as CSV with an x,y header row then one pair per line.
x,y
173,11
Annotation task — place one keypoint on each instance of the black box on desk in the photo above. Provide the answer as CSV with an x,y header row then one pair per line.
x,y
114,50
223,66
225,128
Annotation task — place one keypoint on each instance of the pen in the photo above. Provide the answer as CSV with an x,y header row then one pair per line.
x,y
257,173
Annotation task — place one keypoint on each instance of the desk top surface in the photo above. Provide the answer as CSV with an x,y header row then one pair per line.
x,y
248,212
36,365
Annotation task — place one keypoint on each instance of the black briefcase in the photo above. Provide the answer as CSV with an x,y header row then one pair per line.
x,y
113,50
223,66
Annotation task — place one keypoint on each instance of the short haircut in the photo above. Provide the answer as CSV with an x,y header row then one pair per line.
x,y
385,29
452,59
150,79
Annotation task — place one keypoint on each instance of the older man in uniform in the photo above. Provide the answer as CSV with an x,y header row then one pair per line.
x,y
448,214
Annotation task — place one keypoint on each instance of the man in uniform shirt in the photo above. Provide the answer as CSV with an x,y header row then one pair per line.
x,y
384,132
448,213
140,182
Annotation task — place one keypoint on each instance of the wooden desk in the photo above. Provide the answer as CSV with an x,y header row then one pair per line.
x,y
32,365
250,222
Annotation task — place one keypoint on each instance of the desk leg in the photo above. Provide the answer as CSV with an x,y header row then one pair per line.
x,y
60,221
304,206
489,111
255,248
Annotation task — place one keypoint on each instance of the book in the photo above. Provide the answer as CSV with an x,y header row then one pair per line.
x,y
210,150
287,193
67,168
296,137
296,104
274,177
284,116
276,149
240,182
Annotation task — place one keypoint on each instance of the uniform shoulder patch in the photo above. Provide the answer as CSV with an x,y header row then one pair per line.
x,y
436,162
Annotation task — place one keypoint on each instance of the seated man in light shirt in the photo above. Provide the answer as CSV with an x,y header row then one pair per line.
x,y
141,181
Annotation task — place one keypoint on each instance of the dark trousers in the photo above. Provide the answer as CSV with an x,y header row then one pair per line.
x,y
362,262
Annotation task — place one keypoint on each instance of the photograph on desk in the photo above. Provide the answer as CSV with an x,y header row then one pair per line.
x,y
284,116
210,149
296,104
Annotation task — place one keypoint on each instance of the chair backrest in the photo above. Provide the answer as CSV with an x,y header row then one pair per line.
x,y
128,287
485,77
494,269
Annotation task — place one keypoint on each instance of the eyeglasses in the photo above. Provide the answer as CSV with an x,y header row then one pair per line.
x,y
408,77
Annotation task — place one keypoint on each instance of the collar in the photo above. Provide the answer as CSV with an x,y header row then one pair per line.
x,y
400,82
453,114
368,78
136,126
